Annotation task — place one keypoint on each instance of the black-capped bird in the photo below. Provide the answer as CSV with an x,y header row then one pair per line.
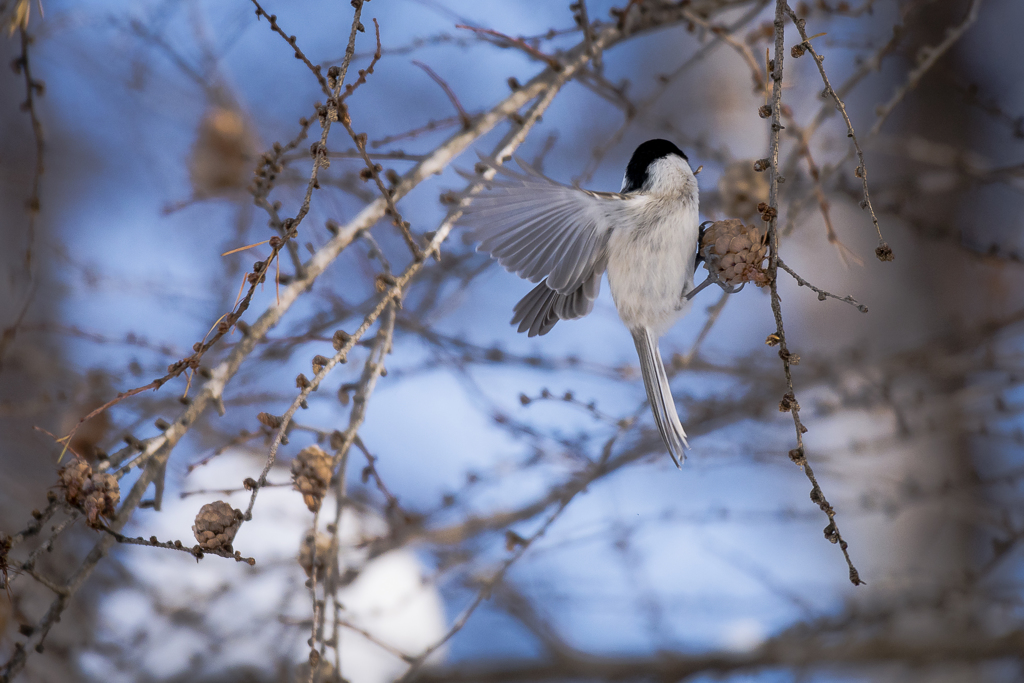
x,y
565,238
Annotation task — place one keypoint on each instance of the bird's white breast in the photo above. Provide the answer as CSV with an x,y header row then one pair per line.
x,y
651,260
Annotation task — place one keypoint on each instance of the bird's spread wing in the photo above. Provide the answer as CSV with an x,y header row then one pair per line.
x,y
538,228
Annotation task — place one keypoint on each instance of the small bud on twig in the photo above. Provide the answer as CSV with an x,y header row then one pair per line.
x,y
272,421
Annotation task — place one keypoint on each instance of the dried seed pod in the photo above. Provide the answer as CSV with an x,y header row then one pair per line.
x,y
73,479
102,494
311,474
272,421
884,252
341,337
323,670
319,363
733,253
216,526
97,495
224,152
323,551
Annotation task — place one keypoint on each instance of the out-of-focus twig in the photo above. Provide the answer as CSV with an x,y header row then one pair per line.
x,y
862,171
724,34
463,116
33,88
714,311
822,294
930,55
519,43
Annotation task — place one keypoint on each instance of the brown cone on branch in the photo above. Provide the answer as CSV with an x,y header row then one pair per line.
x,y
101,499
734,253
216,526
74,477
95,494
311,474
323,556
225,150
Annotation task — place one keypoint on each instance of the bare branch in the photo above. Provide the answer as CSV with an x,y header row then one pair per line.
x,y
291,40
463,116
862,169
822,294
789,402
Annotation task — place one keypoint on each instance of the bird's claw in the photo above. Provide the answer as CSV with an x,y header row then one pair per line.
x,y
710,280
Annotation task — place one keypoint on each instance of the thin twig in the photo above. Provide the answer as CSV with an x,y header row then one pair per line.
x,y
822,294
487,586
37,523
723,33
376,641
862,170
67,439
373,369
371,471
41,579
588,33
32,88
393,156
602,87
789,401
318,605
870,65
463,116
291,40
714,311
228,492
9,334
522,45
372,168
931,56
432,125
845,253
46,547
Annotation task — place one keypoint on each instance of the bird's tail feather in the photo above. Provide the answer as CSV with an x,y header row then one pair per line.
x,y
659,394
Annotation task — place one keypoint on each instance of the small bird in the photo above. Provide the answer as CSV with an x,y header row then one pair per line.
x,y
564,238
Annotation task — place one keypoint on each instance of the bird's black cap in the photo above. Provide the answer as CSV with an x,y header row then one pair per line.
x,y
643,157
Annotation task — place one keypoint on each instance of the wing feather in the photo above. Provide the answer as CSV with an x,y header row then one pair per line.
x,y
538,228
537,312
532,251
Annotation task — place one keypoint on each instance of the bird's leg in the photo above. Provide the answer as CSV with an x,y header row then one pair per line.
x,y
693,292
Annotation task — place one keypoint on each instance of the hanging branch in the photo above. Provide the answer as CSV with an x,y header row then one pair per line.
x,y
770,214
